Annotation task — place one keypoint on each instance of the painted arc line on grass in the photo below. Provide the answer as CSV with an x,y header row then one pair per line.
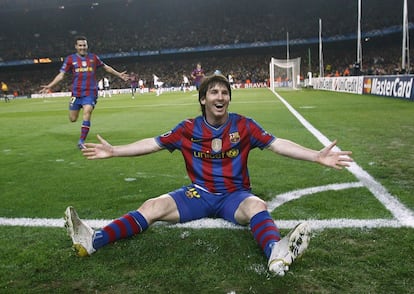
x,y
220,223
403,214
281,199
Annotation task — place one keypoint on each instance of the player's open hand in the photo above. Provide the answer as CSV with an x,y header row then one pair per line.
x,y
124,76
98,151
335,159
44,89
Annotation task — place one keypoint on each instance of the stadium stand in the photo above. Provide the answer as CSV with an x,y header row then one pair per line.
x,y
36,29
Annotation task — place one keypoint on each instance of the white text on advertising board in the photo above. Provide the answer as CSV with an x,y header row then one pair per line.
x,y
392,88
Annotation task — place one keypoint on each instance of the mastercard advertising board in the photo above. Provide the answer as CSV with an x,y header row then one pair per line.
x,y
390,86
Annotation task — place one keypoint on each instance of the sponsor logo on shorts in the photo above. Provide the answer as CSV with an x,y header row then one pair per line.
x,y
192,193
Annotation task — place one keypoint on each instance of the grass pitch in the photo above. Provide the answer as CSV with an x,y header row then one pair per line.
x,y
42,172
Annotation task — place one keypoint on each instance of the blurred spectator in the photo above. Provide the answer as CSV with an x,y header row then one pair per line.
x,y
118,26
5,91
124,26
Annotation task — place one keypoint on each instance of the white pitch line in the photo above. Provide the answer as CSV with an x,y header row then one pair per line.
x,y
277,201
290,224
341,223
214,223
296,194
403,214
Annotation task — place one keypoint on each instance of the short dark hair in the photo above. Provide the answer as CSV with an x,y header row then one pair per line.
x,y
80,38
207,83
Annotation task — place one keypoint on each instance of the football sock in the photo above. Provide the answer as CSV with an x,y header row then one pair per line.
x,y
265,231
84,130
126,226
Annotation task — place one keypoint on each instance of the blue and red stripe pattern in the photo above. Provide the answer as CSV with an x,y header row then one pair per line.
x,y
264,231
83,69
216,158
126,226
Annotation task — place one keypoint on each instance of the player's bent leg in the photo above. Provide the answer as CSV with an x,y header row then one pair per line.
x,y
73,115
281,252
289,248
161,208
248,208
86,124
87,111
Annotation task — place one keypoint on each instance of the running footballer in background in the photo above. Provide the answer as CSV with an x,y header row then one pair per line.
x,y
197,75
83,66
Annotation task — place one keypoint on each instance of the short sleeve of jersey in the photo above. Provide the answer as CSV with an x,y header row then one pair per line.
x,y
67,64
173,139
99,62
258,136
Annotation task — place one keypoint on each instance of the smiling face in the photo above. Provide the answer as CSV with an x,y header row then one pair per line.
x,y
81,47
216,103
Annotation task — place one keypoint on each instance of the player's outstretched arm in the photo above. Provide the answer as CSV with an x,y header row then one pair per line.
x,y
46,88
122,75
104,149
326,156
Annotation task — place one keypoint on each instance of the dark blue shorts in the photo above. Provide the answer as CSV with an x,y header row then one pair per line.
x,y
76,103
195,203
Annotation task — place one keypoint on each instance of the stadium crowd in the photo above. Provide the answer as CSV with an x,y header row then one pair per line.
x,y
125,26
132,25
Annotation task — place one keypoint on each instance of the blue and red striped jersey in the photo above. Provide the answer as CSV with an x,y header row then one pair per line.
x,y
198,73
216,158
83,70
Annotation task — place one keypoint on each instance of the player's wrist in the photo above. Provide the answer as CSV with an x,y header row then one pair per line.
x,y
111,151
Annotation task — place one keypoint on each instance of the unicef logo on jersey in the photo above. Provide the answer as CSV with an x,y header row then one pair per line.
x,y
232,153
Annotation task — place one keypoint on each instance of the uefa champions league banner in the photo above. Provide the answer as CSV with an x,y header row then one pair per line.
x,y
400,86
348,84
396,86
